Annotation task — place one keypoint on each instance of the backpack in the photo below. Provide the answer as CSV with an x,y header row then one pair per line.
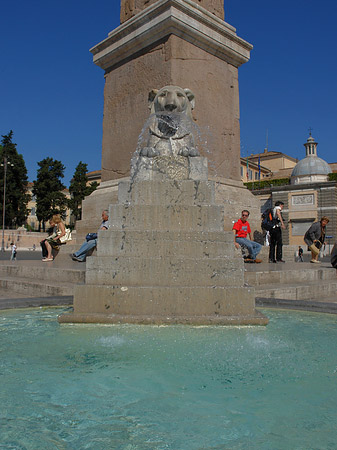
x,y
268,221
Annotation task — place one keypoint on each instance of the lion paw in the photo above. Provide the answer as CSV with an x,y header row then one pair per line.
x,y
150,152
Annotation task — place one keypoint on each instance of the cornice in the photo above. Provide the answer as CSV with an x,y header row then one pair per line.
x,y
183,18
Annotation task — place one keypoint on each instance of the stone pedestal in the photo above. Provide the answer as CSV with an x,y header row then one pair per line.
x,y
166,258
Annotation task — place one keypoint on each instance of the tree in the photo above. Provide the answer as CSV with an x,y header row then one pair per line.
x,y
79,189
48,190
16,183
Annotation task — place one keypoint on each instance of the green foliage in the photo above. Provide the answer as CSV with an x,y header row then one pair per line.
x,y
333,176
267,183
48,190
17,198
79,190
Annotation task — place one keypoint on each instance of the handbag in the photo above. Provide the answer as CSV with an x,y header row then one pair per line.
x,y
315,248
91,236
66,238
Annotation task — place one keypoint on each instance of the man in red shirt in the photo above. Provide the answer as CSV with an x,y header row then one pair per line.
x,y
241,229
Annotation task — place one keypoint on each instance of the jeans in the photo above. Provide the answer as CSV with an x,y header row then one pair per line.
x,y
252,246
85,247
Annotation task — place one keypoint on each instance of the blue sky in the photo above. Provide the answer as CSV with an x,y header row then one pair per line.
x,y
51,93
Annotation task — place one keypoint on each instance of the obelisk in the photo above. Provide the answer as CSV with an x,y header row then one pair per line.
x,y
171,42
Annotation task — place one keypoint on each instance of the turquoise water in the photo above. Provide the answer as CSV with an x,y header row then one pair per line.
x,y
155,388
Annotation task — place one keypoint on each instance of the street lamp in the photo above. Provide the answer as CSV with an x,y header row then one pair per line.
x,y
4,165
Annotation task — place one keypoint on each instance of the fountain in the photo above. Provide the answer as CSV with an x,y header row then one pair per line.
x,y
137,387
166,257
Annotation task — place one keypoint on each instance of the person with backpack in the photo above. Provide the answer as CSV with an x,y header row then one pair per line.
x,y
241,229
277,226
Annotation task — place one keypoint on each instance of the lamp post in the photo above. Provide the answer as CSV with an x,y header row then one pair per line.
x,y
5,163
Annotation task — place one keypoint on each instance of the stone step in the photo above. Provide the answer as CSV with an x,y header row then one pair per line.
x,y
283,277
130,271
166,244
174,192
163,218
37,270
311,290
152,301
37,287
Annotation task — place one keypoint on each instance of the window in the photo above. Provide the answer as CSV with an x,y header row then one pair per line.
x,y
241,171
250,174
256,175
32,211
299,228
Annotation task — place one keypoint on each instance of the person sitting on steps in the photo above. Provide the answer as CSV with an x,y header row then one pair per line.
x,y
87,246
53,242
241,229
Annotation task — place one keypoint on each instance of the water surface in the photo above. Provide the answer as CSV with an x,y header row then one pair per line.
x,y
103,387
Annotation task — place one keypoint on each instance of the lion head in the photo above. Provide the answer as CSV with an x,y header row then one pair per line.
x,y
171,99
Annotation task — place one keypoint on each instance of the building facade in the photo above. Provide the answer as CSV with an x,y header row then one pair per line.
x,y
308,196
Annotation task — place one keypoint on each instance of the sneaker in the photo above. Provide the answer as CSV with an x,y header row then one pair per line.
x,y
280,261
258,261
315,262
272,261
74,258
47,259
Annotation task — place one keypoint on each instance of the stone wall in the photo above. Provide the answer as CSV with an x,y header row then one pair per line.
x,y
327,204
23,239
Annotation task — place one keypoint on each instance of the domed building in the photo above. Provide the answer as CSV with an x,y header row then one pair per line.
x,y
308,196
310,169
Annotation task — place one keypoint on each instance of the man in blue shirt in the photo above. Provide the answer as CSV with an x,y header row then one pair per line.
x,y
81,254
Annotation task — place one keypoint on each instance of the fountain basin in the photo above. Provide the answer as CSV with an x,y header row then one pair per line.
x,y
100,387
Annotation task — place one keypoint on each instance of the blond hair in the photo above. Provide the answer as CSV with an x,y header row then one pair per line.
x,y
325,218
56,218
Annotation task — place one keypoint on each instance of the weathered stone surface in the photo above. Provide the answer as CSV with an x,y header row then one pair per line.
x,y
177,192
166,259
159,271
164,301
161,217
256,318
164,244
168,168
130,8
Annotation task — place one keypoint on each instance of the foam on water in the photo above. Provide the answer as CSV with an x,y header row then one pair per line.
x,y
179,387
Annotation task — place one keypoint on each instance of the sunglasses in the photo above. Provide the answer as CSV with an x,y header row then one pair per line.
x,y
245,215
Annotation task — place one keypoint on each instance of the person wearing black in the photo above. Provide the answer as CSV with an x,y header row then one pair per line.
x,y
276,234
300,254
43,242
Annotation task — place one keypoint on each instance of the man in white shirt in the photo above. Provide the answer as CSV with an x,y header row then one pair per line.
x,y
276,235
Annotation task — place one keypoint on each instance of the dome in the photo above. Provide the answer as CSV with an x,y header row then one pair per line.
x,y
311,165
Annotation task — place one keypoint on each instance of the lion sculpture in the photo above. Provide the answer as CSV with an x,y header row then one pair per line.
x,y
169,130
